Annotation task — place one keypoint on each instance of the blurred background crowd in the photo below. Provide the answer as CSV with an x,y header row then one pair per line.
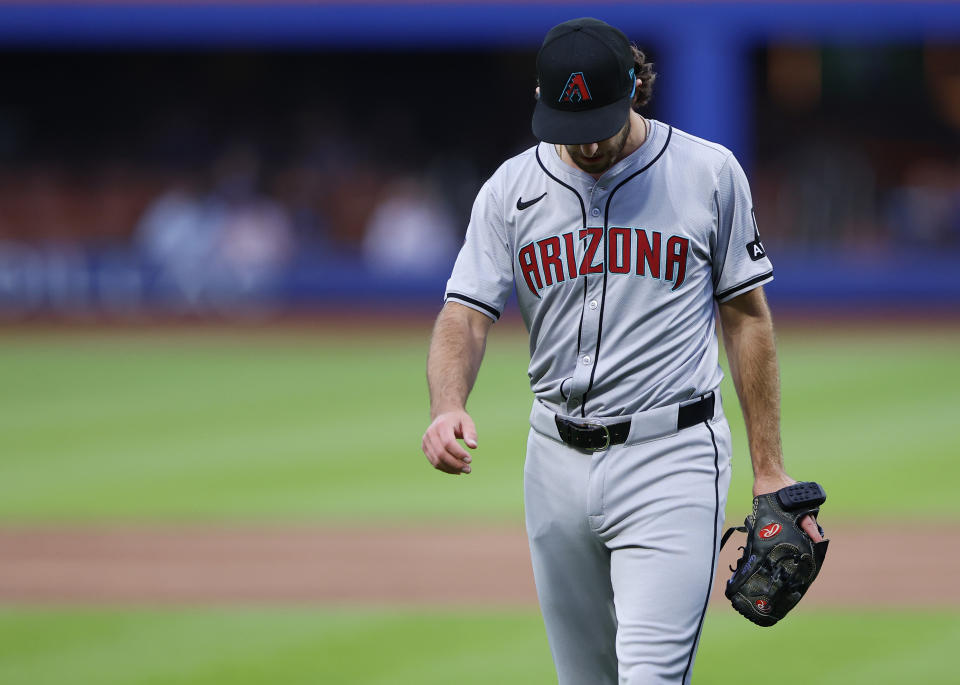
x,y
198,179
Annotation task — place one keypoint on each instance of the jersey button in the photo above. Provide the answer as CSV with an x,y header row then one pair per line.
x,y
595,211
586,359
594,304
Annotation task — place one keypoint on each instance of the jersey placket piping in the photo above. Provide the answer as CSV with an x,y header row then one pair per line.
x,y
583,305
603,295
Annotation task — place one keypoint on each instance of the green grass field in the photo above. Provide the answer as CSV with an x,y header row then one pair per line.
x,y
309,647
201,427
317,427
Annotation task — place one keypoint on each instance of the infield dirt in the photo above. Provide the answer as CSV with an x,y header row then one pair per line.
x,y
405,566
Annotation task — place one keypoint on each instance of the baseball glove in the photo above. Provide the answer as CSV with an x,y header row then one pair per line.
x,y
779,561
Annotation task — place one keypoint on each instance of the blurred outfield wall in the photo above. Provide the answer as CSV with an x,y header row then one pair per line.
x,y
846,115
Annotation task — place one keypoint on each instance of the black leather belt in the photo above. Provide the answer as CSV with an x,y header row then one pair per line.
x,y
594,436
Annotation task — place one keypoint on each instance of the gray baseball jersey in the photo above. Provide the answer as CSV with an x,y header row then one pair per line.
x,y
616,279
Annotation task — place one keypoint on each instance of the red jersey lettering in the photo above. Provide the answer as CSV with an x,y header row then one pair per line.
x,y
530,268
618,250
550,259
587,266
571,256
648,255
676,260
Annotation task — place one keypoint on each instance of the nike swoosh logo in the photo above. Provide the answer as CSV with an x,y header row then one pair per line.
x,y
521,205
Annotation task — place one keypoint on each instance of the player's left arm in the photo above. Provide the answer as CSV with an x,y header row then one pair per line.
x,y
752,355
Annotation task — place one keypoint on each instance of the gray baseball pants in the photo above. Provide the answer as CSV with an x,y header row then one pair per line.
x,y
624,545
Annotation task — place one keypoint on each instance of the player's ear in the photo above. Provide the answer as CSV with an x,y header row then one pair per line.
x,y
636,91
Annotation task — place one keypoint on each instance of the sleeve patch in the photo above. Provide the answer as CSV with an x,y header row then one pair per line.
x,y
755,248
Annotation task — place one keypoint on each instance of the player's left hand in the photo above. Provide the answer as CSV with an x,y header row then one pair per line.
x,y
771,483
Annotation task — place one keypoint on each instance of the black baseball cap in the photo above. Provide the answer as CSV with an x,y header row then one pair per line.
x,y
586,77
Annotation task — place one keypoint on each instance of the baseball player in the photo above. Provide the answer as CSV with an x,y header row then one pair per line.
x,y
622,237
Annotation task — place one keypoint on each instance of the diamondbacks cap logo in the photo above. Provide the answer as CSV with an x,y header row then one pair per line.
x,y
576,89
770,531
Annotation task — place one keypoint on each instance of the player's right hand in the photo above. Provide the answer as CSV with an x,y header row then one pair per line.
x,y
440,442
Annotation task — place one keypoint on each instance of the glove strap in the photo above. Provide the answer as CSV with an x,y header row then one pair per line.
x,y
726,536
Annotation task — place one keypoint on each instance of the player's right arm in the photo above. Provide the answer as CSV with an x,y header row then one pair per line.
x,y
456,350
475,295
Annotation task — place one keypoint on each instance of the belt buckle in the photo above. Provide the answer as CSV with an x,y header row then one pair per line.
x,y
606,435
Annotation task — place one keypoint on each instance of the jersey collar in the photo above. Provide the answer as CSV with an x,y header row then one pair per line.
x,y
635,160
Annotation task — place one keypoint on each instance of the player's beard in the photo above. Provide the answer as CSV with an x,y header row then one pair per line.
x,y
608,152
